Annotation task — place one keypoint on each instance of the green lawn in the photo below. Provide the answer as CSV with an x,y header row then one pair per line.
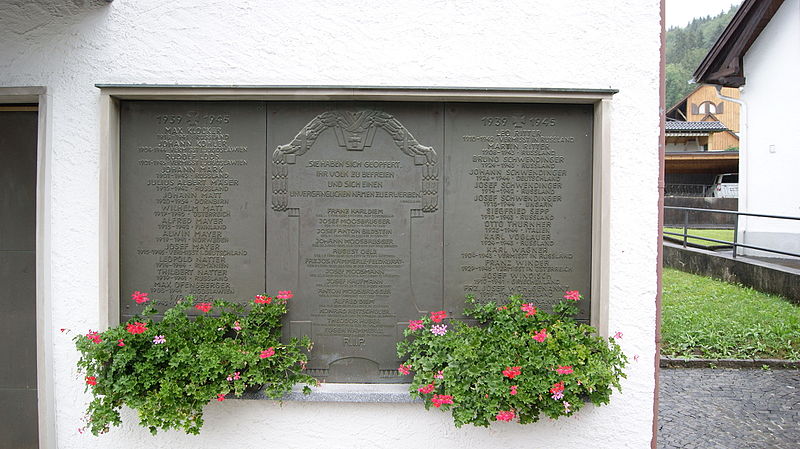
x,y
719,234
705,318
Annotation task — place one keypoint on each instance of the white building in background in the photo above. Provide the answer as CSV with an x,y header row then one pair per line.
x,y
54,53
759,52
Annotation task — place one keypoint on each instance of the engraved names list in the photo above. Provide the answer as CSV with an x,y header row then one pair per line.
x,y
191,210
518,213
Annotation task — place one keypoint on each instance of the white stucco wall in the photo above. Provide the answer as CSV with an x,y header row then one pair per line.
x,y
691,146
770,183
69,45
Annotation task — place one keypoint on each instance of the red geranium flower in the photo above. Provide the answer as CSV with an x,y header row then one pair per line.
x,y
425,389
140,297
136,328
203,306
437,317
507,415
94,337
512,371
572,295
439,399
564,369
261,299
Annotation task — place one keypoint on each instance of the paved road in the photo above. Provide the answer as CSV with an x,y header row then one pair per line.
x,y
729,409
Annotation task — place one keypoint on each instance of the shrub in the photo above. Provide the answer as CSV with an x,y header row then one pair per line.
x,y
169,369
516,364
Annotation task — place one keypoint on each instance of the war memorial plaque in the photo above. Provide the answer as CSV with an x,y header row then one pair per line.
x,y
191,201
518,202
355,228
372,213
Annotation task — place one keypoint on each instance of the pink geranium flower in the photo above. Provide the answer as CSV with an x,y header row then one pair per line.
x,y
506,415
236,326
564,370
513,389
139,297
159,339
439,399
439,329
285,294
136,328
437,317
439,375
404,369
512,371
572,295
425,389
618,335
220,397
529,308
415,324
269,352
540,336
120,342
204,307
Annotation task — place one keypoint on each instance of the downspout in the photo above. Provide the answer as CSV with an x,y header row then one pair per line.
x,y
662,117
744,160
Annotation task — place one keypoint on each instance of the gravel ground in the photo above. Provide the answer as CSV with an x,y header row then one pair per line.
x,y
729,408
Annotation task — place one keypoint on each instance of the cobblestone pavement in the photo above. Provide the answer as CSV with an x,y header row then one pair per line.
x,y
729,408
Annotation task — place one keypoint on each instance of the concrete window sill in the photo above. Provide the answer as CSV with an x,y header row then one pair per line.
x,y
387,393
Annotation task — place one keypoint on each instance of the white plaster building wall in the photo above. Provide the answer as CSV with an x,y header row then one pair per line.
x,y
770,179
690,146
69,45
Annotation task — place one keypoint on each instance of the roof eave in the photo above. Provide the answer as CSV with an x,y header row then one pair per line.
x,y
723,65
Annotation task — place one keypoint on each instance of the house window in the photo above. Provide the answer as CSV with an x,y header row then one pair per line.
x,y
708,107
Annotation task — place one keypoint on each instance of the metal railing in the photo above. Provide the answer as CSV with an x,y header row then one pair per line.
x,y
686,236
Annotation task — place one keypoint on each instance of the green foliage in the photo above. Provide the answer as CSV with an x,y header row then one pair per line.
x,y
706,318
170,383
686,48
472,360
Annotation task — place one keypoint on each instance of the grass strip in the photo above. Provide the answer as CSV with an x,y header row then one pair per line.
x,y
719,234
706,318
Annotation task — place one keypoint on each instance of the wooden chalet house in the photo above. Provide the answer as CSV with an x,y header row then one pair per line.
x,y
703,105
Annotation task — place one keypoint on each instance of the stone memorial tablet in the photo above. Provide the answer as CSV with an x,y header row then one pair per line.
x,y
518,202
372,213
355,228
191,200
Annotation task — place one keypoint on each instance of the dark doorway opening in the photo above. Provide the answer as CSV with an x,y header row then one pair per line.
x,y
18,380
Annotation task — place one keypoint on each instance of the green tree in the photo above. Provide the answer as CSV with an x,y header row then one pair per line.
x,y
686,48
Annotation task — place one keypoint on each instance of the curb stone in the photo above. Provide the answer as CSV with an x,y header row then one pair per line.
x,y
668,362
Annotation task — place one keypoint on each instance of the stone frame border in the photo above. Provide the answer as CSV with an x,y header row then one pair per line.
x,y
112,94
39,96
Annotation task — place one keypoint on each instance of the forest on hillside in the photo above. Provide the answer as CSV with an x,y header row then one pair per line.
x,y
686,48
